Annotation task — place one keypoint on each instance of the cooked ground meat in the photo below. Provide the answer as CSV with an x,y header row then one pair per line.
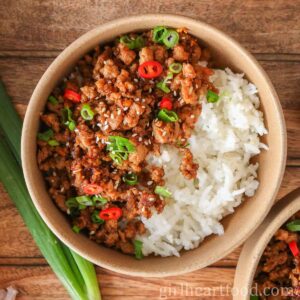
x,y
105,120
278,268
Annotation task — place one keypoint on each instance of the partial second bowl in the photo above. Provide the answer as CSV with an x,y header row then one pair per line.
x,y
256,244
226,53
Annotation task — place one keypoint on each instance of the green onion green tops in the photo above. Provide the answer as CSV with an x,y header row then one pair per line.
x,y
293,226
81,202
175,68
76,229
212,97
67,118
53,143
52,100
86,112
119,147
167,115
130,179
163,35
163,84
95,217
162,191
136,43
47,136
138,246
98,200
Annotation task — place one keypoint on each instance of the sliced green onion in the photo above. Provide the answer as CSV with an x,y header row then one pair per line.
x,y
212,97
46,136
72,203
53,143
171,38
86,112
175,68
132,43
84,200
67,118
158,34
138,246
130,179
95,217
162,191
162,85
99,199
76,229
52,100
293,226
167,115
119,147
116,157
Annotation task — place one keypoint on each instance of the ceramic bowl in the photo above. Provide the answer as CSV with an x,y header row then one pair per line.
x,y
238,226
256,244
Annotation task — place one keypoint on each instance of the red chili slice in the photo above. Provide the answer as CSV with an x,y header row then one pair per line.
x,y
72,96
166,103
150,69
92,189
294,248
112,213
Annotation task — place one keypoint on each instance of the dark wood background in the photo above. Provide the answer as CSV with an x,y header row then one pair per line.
x,y
33,33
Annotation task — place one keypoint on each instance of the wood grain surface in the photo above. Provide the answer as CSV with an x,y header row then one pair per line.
x,y
34,32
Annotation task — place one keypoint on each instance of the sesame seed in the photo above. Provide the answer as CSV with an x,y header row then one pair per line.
x,y
103,109
175,93
92,232
135,134
192,116
135,80
143,106
140,139
150,90
105,115
125,108
76,171
143,100
76,130
196,86
119,112
98,124
164,133
97,139
62,189
149,182
112,116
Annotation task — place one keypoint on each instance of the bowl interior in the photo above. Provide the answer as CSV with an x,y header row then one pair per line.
x,y
238,226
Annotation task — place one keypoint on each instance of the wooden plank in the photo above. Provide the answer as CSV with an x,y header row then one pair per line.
x,y
16,242
37,283
261,26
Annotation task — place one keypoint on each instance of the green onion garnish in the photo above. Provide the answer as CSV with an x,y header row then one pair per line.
x,y
84,200
72,203
99,199
175,68
212,97
171,38
158,34
67,118
293,226
86,112
163,84
162,191
95,217
52,100
132,43
130,179
76,229
46,136
53,143
167,115
119,147
138,246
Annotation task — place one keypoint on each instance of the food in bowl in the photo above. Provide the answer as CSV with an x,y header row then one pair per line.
x,y
146,148
278,272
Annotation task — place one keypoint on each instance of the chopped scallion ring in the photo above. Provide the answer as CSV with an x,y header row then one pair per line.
x,y
95,217
162,191
84,200
53,143
119,147
52,100
99,199
175,68
46,136
67,118
86,112
171,38
132,43
130,179
293,225
167,115
76,229
212,97
138,246
158,34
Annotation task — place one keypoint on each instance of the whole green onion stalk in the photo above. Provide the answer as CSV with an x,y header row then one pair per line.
x,y
75,273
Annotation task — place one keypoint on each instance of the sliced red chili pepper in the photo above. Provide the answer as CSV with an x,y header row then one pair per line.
x,y
150,69
92,189
72,96
294,248
166,103
112,213
207,71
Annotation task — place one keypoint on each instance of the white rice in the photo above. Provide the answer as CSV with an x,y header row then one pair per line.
x,y
226,136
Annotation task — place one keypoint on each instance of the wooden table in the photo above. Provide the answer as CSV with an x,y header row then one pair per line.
x,y
34,32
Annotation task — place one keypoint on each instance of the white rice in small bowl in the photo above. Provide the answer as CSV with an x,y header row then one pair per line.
x,y
226,137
